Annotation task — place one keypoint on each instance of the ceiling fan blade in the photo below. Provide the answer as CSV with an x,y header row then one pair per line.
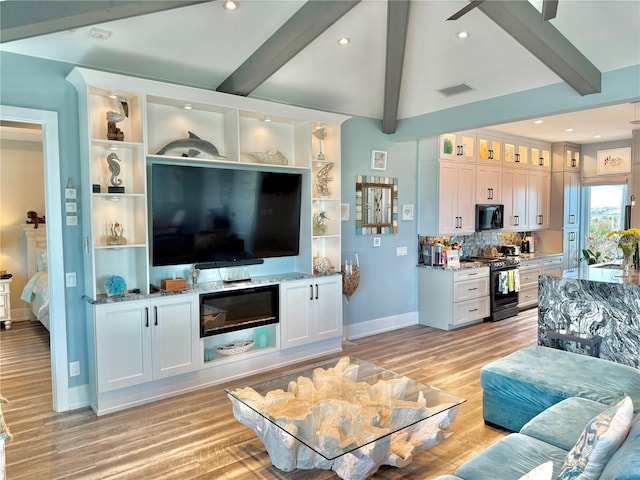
x,y
473,4
549,9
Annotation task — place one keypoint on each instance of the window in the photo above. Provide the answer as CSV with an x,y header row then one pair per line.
x,y
604,211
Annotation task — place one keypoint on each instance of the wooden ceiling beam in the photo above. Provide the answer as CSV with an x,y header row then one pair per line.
x,y
311,20
21,19
521,20
397,25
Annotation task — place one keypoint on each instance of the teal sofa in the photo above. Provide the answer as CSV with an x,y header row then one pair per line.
x,y
550,436
548,396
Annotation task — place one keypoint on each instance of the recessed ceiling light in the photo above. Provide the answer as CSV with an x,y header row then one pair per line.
x,y
569,130
267,119
597,136
231,5
99,33
344,41
538,122
463,34
188,106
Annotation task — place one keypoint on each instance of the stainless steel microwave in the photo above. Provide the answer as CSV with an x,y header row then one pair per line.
x,y
489,217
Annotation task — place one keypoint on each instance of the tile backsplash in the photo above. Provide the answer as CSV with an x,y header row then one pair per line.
x,y
475,244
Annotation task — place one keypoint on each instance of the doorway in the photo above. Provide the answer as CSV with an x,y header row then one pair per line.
x,y
48,121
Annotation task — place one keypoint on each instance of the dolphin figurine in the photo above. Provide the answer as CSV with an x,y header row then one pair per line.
x,y
194,146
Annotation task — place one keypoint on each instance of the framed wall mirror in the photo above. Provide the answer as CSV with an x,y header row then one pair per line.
x,y
376,205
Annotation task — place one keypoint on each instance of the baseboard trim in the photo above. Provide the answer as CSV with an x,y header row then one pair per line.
x,y
381,325
78,397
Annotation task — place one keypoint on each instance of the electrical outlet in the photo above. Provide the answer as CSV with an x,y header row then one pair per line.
x,y
70,279
74,369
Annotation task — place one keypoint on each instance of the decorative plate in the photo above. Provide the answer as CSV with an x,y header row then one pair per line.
x,y
235,348
115,285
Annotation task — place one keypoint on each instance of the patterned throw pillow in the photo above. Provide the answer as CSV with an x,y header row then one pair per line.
x,y
599,440
541,472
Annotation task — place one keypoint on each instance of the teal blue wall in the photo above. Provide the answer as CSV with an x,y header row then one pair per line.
x,y
388,284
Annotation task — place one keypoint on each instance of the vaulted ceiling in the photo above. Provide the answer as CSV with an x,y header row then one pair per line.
x,y
401,53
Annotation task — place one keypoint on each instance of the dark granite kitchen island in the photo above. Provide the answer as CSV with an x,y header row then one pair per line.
x,y
594,301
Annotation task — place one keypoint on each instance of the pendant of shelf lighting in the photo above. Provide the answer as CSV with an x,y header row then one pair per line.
x,y
112,95
188,106
231,5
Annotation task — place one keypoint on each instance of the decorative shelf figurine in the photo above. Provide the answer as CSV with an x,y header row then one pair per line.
x,y
320,133
114,167
320,223
272,157
116,237
323,179
113,132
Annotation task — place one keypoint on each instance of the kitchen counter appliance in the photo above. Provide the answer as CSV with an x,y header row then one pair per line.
x,y
432,255
503,305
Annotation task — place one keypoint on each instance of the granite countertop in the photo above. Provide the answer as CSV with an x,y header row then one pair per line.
x,y
536,255
205,288
604,272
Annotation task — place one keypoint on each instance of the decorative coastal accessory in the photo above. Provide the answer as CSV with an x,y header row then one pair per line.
x,y
115,285
321,265
323,179
320,223
350,270
628,243
272,157
113,162
193,146
235,348
320,133
115,237
113,132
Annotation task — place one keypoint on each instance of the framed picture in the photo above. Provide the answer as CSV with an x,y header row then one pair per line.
x,y
407,212
378,160
617,160
344,212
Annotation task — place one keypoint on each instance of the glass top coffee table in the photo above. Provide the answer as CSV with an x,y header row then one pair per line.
x,y
344,414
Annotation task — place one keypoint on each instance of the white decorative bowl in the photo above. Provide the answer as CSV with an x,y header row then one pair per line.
x,y
235,348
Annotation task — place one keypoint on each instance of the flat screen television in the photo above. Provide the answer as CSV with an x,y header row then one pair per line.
x,y
216,216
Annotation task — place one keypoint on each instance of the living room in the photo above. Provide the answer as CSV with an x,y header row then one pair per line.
x,y
379,302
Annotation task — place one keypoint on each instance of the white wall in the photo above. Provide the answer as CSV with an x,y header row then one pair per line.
x,y
21,190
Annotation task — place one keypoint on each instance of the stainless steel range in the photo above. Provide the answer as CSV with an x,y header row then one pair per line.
x,y
504,280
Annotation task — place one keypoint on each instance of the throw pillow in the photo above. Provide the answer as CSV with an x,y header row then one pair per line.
x,y
541,472
599,440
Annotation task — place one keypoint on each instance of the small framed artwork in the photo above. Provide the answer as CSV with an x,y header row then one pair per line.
x,y
378,160
344,212
611,162
407,212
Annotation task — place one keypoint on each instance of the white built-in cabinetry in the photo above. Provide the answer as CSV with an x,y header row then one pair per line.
x,y
309,310
139,349
483,167
453,298
530,269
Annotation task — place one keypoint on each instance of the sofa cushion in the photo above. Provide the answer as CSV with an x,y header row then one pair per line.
x,y
562,423
524,383
511,458
541,472
625,463
600,438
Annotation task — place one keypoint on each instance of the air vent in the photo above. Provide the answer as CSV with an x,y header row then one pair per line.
x,y
455,90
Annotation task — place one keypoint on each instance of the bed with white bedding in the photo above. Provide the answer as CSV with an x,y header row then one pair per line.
x,y
36,291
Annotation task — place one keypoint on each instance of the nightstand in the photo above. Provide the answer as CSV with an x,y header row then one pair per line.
x,y
5,302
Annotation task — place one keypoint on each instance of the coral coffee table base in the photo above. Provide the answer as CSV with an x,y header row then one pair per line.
x,y
344,415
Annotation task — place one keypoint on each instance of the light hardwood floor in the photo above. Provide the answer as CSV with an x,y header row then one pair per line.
x,y
195,436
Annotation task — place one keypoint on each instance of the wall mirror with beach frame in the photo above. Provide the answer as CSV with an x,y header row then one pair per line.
x,y
377,199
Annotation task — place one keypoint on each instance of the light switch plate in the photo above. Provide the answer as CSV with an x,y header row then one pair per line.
x,y
377,241
400,251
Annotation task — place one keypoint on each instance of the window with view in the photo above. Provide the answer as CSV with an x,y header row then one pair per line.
x,y
604,212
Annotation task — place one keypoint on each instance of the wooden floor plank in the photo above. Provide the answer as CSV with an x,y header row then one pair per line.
x,y
195,437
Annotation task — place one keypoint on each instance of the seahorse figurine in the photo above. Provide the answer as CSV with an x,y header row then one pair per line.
x,y
113,132
114,168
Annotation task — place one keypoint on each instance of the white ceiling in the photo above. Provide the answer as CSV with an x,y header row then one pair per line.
x,y
201,45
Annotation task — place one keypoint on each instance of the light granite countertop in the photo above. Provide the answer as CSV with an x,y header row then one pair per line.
x,y
604,272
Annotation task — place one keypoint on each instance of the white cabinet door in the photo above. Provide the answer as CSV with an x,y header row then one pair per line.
x,y
460,146
514,197
327,305
296,313
448,198
488,184
571,249
489,149
176,335
571,199
310,310
123,345
466,198
538,200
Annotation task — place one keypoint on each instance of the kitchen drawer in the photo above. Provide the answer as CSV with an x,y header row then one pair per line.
x,y
528,297
470,274
529,276
464,312
470,289
4,288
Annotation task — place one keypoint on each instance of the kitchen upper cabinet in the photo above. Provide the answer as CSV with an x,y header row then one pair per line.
x,y
456,203
489,149
516,153
565,157
540,157
538,200
458,146
488,183
514,197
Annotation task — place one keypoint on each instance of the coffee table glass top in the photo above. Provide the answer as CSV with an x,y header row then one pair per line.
x,y
337,406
